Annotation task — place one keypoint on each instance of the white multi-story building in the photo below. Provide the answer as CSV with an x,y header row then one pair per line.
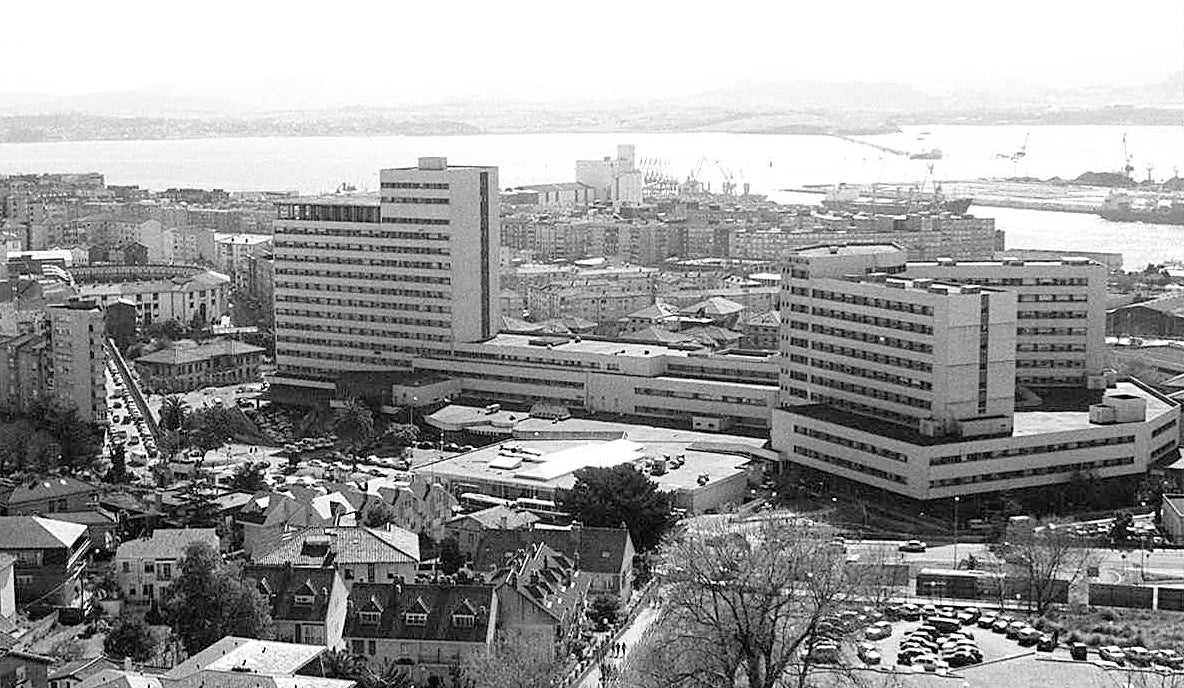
x,y
908,384
76,333
202,296
1060,311
617,180
231,252
365,283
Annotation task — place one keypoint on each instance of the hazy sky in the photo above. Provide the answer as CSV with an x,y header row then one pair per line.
x,y
414,49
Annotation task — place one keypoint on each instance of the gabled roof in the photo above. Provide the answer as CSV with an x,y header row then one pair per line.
x,y
596,550
34,532
440,602
1172,304
515,325
656,311
716,306
345,545
767,319
547,579
286,583
184,352
492,518
114,678
266,657
48,488
82,668
657,335
167,543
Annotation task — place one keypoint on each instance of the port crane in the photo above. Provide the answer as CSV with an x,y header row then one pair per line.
x,y
1127,166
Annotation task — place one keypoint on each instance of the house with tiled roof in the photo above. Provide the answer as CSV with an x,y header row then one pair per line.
x,y
419,505
605,555
102,527
357,553
48,495
722,312
185,365
7,586
19,669
469,529
541,594
1159,317
147,566
51,559
307,604
761,330
71,674
270,517
432,628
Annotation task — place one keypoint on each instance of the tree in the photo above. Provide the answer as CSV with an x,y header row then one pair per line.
x,y
130,638
378,513
171,443
118,472
211,599
200,509
249,477
604,611
354,423
742,608
1047,558
343,664
165,329
173,411
513,660
1120,530
608,497
451,559
399,436
386,675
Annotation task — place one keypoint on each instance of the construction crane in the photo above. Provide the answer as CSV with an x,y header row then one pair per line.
x,y
1127,167
729,187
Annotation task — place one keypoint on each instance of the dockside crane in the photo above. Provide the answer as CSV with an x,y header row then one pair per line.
x,y
1127,166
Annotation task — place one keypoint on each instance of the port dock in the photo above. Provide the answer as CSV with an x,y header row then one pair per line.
x,y
1063,197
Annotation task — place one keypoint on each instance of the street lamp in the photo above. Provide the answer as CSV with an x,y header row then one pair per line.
x,y
956,500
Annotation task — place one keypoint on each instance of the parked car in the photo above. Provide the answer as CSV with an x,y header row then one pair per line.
x,y
1138,655
928,611
987,620
945,624
1079,651
913,546
1112,653
1028,636
1046,643
910,612
1014,628
878,631
1168,658
869,653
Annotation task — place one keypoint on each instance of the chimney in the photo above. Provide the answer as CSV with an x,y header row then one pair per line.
x,y
127,663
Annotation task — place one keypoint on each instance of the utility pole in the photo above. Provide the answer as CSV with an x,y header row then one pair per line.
x,y
956,500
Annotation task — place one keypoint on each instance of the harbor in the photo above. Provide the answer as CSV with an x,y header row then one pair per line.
x,y
992,193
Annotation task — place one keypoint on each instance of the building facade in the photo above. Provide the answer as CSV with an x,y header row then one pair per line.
x,y
187,365
147,567
76,344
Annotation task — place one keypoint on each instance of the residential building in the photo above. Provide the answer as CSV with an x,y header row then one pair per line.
x,y
542,595
269,519
234,662
430,628
1161,317
187,365
232,254
469,529
604,555
76,334
73,673
762,331
147,566
1061,313
563,195
308,604
102,527
1171,512
51,560
418,505
357,553
7,586
20,669
47,496
202,297
430,241
908,385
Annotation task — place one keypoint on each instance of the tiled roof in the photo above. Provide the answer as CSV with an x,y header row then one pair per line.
x,y
767,319
655,311
596,550
33,532
715,306
82,668
181,352
1172,304
282,584
547,579
344,545
48,488
240,679
439,602
114,678
491,518
167,543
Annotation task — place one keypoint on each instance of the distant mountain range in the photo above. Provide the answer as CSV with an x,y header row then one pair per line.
x,y
289,109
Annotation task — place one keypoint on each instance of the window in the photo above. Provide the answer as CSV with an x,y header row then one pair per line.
x,y
304,600
127,567
357,647
463,620
415,619
371,647
24,579
149,567
370,618
148,590
29,557
349,574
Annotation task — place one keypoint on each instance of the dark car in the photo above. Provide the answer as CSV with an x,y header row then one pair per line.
x,y
1046,643
1079,651
945,624
910,612
1001,624
987,620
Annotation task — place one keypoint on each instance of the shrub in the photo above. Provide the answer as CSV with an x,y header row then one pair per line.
x,y
1107,615
1094,640
1075,636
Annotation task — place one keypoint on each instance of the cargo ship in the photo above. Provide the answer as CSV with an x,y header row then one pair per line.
x,y
1153,208
855,199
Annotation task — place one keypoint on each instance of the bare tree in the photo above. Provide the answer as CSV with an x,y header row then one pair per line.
x,y
1049,559
744,609
514,660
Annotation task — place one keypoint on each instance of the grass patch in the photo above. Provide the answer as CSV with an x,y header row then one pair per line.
x,y
1100,626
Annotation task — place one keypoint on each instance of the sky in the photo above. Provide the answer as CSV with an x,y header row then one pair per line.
x,y
410,50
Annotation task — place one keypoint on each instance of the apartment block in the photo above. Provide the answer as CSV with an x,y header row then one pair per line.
x,y
76,333
1060,311
366,283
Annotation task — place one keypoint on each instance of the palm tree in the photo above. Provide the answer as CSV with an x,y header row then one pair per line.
x,y
173,410
387,675
354,423
342,664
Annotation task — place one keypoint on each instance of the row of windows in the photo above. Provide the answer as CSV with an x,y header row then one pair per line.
x,y
415,221
1050,347
1028,281
877,412
849,465
1030,472
359,303
1048,363
869,338
1163,449
703,372
284,323
415,200
338,342
870,356
852,444
1050,331
374,262
283,231
890,323
698,396
282,252
1164,428
873,392
368,275
899,380
1042,298
1051,315
415,185
1050,379
1033,449
886,304
524,380
355,289
531,360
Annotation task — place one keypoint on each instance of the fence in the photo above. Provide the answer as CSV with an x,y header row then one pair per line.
x,y
1130,596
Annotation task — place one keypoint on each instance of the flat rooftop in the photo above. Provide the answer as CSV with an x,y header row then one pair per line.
x,y
602,347
847,249
1054,417
361,199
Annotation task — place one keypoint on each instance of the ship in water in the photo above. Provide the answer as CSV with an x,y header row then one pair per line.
x,y
850,198
1154,208
931,154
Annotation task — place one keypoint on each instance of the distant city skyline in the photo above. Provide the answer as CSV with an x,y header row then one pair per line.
x,y
398,53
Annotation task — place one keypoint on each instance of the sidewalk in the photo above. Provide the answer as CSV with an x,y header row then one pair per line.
x,y
629,636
